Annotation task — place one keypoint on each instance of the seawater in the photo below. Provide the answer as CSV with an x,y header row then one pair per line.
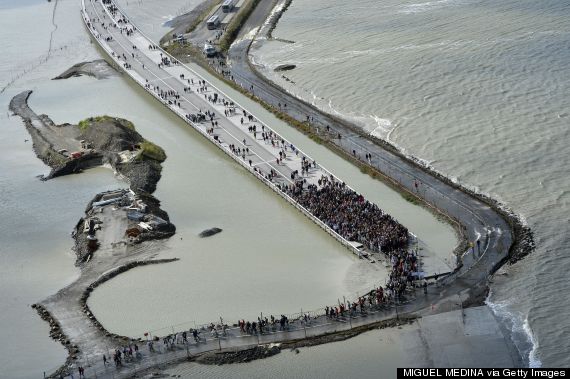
x,y
476,89
268,258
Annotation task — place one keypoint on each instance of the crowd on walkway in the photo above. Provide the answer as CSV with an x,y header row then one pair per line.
x,y
349,214
331,201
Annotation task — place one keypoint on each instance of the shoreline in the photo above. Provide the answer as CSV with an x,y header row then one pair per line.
x,y
520,230
101,232
470,291
524,236
524,239
523,243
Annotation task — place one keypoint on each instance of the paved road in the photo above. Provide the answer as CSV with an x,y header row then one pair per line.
x,y
475,215
228,131
478,220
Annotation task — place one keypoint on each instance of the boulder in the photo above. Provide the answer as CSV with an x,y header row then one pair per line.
x,y
284,67
210,232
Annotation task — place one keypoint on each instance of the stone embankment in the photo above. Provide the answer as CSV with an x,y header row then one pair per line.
x,y
115,222
95,141
69,148
239,356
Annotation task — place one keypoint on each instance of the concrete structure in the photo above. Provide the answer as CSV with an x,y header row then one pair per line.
x,y
146,67
469,338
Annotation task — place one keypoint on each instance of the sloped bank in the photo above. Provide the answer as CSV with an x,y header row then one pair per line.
x,y
95,141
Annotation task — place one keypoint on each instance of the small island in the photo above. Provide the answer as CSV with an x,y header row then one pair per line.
x,y
104,140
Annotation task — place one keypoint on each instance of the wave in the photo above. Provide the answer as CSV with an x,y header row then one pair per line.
x,y
519,327
424,7
246,37
533,360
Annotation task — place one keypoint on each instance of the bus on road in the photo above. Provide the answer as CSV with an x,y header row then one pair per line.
x,y
213,22
228,6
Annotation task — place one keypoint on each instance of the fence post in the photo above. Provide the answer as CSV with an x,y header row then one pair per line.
x,y
349,312
396,306
303,321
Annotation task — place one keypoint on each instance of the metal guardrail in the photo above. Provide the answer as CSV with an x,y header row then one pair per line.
x,y
270,184
181,351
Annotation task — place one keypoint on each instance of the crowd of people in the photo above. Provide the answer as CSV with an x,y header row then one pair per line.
x,y
331,201
126,353
349,214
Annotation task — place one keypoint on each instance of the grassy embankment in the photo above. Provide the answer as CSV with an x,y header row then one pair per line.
x,y
151,151
238,21
148,150
84,124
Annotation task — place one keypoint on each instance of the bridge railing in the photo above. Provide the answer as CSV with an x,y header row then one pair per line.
x,y
226,150
164,354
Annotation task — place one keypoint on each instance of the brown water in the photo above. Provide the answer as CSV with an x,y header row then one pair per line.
x,y
268,258
477,89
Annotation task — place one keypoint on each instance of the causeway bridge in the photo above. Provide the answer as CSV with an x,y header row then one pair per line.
x,y
232,131
231,126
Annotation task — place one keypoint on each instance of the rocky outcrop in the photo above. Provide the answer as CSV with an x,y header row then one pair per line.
x,y
240,356
210,232
284,67
69,148
98,69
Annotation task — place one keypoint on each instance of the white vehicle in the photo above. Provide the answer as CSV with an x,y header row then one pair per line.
x,y
213,22
209,50
228,6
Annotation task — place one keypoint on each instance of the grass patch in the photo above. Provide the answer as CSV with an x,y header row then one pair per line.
x,y
151,151
369,171
410,198
236,24
84,124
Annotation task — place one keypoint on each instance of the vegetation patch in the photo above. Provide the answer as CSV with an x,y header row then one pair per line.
x,y
84,124
409,197
236,24
151,151
369,171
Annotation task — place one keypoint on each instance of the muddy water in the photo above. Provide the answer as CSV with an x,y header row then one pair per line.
x,y
478,90
268,258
